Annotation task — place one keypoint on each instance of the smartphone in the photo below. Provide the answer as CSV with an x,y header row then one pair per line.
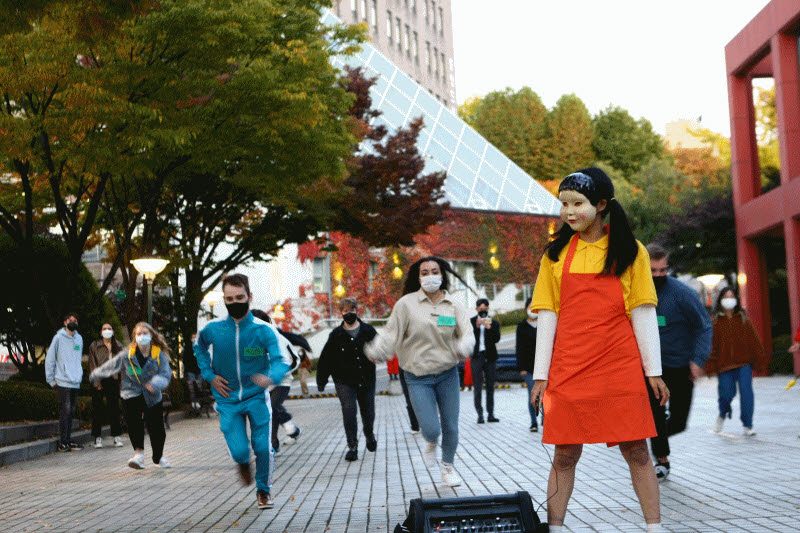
x,y
536,407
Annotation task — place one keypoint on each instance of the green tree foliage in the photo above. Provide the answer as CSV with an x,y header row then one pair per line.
x,y
37,295
515,123
569,138
623,142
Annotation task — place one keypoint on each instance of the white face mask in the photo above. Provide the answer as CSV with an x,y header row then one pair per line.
x,y
431,283
108,333
728,303
143,339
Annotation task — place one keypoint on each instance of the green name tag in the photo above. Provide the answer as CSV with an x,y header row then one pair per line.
x,y
76,347
447,320
662,321
253,352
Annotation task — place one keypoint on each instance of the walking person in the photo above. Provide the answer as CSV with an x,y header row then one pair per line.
x,y
734,350
247,360
145,371
526,355
484,358
64,372
105,393
685,337
353,376
430,333
192,374
597,331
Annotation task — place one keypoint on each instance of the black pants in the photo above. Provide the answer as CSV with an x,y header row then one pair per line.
x,y
279,413
69,401
680,400
106,412
412,417
483,372
352,399
138,415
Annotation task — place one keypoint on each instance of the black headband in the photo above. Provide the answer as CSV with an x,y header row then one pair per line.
x,y
578,182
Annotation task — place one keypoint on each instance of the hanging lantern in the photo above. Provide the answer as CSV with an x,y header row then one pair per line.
x,y
397,272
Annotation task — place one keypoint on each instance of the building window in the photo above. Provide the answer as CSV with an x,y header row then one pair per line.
x,y
444,70
415,48
441,21
364,9
373,17
321,277
426,10
413,5
407,41
354,9
428,55
436,59
433,15
372,273
398,32
389,26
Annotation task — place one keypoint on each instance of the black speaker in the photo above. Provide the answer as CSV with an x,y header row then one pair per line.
x,y
509,513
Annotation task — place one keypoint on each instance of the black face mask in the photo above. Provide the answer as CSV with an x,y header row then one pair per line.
x,y
237,310
72,326
483,314
659,281
350,318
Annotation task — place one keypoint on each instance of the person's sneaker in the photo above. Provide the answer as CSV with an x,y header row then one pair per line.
x,y
296,433
718,424
137,461
534,428
351,455
245,474
492,418
163,463
449,476
481,420
662,470
372,443
98,442
64,447
748,432
264,499
416,432
75,446
429,456
118,442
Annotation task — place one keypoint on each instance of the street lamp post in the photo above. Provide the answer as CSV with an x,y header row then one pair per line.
x,y
212,298
149,267
709,282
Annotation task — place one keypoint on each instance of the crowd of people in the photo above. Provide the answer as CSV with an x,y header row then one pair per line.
x,y
609,341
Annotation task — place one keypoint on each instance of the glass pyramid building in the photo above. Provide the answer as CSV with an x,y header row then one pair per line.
x,y
479,176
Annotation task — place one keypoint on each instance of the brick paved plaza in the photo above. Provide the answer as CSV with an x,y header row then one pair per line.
x,y
718,482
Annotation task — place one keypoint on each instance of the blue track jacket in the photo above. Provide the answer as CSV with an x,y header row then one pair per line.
x,y
240,350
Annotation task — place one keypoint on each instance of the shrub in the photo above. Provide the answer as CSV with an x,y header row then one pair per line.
x,y
27,401
781,362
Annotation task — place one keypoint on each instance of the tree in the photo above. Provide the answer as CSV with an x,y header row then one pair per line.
x,y
623,142
570,134
515,123
387,200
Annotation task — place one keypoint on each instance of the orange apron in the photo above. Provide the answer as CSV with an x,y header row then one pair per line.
x,y
596,390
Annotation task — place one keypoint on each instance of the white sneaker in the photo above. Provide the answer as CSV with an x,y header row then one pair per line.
x,y
163,463
98,442
718,424
748,432
429,455
118,442
449,476
137,461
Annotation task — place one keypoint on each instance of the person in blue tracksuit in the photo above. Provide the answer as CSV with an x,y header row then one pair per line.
x,y
247,360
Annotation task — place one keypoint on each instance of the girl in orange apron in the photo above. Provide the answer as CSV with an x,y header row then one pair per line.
x,y
597,333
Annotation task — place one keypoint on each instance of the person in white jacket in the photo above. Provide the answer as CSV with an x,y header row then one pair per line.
x,y
64,372
430,333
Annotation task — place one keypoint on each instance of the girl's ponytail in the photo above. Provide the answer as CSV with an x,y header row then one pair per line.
x,y
622,246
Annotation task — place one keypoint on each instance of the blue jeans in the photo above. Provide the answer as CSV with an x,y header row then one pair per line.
x,y
434,391
232,422
726,387
530,382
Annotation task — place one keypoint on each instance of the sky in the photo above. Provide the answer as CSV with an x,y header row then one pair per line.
x,y
662,61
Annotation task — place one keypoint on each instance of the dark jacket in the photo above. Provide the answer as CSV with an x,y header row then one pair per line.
x,y
526,346
343,358
189,360
684,326
491,338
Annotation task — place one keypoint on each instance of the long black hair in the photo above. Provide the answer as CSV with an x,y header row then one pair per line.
x,y
412,280
595,185
718,305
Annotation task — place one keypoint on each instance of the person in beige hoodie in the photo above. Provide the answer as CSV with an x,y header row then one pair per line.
x,y
430,333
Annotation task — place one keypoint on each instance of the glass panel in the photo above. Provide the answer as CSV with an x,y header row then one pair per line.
x,y
398,100
474,141
392,115
440,154
486,192
462,171
457,192
380,63
495,158
519,178
447,139
405,84
451,122
491,176
428,104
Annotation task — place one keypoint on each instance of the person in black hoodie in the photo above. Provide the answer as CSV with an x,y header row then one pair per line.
x,y
353,375
526,355
484,358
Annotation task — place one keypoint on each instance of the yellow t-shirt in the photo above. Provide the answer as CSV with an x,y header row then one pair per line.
x,y
637,280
